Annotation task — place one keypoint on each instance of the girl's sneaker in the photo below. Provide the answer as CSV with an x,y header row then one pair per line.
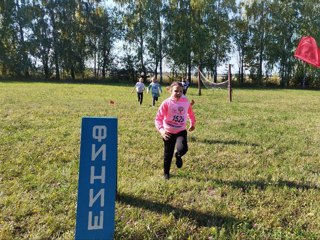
x,y
178,161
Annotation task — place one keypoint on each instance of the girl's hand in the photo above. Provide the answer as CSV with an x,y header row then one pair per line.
x,y
191,128
164,134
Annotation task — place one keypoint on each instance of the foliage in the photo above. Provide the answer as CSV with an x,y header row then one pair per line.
x,y
64,39
55,35
252,170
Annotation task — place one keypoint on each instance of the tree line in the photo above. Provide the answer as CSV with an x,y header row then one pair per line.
x,y
56,39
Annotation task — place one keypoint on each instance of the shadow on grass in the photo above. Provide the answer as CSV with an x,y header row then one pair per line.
x,y
213,141
201,219
262,185
244,185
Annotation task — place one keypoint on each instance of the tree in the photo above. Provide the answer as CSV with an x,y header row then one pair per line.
x,y
22,20
108,33
241,38
154,39
218,21
41,39
178,32
14,25
258,15
134,20
284,26
7,36
307,22
52,9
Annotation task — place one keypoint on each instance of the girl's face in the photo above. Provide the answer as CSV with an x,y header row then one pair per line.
x,y
176,92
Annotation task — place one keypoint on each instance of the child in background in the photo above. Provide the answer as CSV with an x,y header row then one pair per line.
x,y
155,90
185,85
171,122
139,87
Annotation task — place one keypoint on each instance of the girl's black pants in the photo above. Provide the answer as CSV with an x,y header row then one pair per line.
x,y
140,97
178,141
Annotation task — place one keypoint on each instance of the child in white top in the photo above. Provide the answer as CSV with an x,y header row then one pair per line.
x,y
139,87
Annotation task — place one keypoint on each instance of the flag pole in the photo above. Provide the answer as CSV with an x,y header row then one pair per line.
x,y
229,83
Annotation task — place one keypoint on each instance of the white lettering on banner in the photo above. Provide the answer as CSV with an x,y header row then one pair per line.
x,y
102,177
99,133
96,223
95,220
93,199
95,153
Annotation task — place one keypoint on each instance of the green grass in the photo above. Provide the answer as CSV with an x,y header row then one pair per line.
x,y
252,170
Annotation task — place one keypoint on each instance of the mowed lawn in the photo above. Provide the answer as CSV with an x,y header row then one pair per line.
x,y
252,170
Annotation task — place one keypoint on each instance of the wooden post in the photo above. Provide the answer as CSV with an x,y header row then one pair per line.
x,y
199,82
229,84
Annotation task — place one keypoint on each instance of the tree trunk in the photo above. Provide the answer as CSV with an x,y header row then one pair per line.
x,y
55,44
24,64
73,75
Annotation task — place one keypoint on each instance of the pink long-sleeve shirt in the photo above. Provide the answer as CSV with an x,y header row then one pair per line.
x,y
172,115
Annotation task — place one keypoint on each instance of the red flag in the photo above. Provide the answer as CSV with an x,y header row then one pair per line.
x,y
308,51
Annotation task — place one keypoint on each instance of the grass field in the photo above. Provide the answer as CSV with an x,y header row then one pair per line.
x,y
252,170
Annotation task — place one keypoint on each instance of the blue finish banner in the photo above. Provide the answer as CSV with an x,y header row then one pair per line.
x,y
97,184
